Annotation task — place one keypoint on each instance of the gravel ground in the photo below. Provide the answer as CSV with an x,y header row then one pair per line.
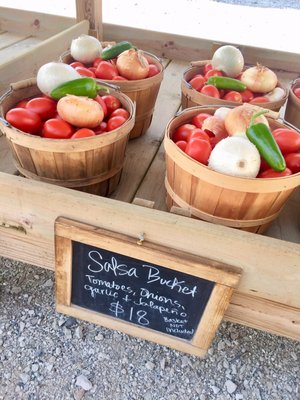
x,y
45,355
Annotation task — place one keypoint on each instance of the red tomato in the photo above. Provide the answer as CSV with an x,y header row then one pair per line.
x,y
197,82
102,103
77,64
93,69
82,133
207,67
292,161
297,92
106,70
115,122
112,103
199,150
102,128
153,70
198,119
21,104
288,140
181,144
210,90
44,106
233,96
83,71
120,112
259,99
263,165
212,72
270,173
57,129
97,61
182,132
197,133
26,120
119,78
247,95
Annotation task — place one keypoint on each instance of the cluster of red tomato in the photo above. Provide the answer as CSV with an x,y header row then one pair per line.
x,y
39,116
198,144
107,70
198,82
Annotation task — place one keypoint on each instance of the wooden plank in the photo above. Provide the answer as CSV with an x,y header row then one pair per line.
x,y
29,23
27,64
21,47
263,314
8,39
91,10
141,151
188,48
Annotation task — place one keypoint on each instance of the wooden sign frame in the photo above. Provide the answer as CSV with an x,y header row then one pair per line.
x,y
225,278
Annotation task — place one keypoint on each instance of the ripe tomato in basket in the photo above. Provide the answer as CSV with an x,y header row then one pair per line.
x,y
210,90
293,162
182,132
199,149
112,103
44,106
198,119
288,140
26,120
57,129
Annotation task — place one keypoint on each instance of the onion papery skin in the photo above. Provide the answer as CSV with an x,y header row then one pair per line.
x,y
132,64
259,79
238,119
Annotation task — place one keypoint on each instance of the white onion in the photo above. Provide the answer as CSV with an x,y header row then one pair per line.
x,y
228,59
259,79
53,74
276,94
85,48
221,112
235,156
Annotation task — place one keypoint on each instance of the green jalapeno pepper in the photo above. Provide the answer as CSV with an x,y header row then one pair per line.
x,y
223,82
261,136
80,87
113,51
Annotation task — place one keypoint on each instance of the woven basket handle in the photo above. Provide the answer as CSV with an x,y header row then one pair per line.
x,y
25,83
199,63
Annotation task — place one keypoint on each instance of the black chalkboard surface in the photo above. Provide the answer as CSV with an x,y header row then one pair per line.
x,y
149,295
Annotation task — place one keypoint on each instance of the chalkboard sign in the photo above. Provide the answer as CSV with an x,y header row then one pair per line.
x,y
136,291
160,294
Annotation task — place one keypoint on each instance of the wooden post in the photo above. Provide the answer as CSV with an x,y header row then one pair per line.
x,y
92,11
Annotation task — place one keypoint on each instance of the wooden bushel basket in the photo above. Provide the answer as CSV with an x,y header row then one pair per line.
x,y
191,97
292,110
143,92
92,164
250,204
